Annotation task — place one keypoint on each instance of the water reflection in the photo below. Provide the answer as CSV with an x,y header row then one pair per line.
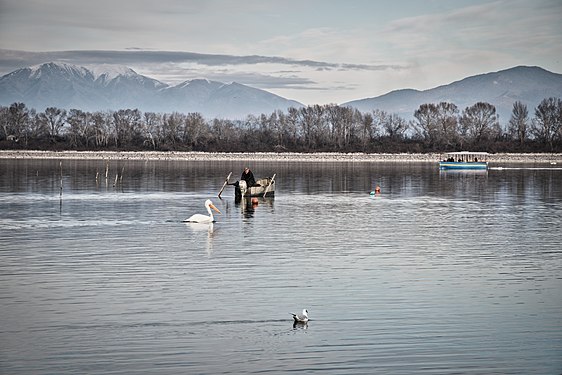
x,y
441,273
463,172
300,325
249,205
201,228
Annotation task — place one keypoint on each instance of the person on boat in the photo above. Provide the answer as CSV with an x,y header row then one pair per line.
x,y
248,176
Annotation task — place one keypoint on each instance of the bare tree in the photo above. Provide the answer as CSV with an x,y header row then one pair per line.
x,y
310,119
291,127
38,129
80,129
367,124
518,123
53,120
224,136
100,131
18,121
548,121
197,130
150,126
313,128
379,119
395,127
126,126
279,129
448,124
479,123
4,122
340,125
437,124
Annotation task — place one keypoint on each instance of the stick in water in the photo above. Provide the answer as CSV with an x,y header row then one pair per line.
x,y
225,182
60,163
269,185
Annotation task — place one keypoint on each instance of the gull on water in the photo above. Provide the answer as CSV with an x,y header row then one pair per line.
x,y
301,317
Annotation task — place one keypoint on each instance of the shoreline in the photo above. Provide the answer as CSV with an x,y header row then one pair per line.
x,y
550,158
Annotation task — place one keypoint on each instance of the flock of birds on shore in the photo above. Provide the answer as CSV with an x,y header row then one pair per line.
x,y
298,318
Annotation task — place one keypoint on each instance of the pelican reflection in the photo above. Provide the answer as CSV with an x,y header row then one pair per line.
x,y
202,227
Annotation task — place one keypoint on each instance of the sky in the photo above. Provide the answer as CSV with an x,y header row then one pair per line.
x,y
312,51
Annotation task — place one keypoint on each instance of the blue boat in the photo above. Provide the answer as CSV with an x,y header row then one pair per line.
x,y
464,160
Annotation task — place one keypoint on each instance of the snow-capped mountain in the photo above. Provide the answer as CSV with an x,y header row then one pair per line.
x,y
529,85
104,87
56,83
107,72
223,100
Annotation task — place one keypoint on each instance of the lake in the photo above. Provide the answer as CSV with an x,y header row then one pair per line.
x,y
440,273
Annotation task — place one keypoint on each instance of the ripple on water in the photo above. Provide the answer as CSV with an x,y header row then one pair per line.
x,y
438,274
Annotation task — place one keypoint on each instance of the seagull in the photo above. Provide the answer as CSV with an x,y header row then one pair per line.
x,y
302,317
199,218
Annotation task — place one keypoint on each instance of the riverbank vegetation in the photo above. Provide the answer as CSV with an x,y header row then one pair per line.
x,y
318,128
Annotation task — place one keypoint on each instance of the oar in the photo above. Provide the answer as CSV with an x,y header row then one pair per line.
x,y
225,182
268,186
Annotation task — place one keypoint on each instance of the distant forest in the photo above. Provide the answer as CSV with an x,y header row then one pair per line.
x,y
318,128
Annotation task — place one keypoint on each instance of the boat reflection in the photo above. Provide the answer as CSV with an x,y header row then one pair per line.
x,y
463,172
249,205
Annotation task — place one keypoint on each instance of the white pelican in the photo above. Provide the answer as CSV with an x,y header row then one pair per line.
x,y
302,317
199,218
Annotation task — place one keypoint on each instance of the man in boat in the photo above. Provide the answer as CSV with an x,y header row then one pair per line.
x,y
248,176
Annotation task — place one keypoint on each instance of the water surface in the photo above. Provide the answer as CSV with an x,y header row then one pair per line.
x,y
441,273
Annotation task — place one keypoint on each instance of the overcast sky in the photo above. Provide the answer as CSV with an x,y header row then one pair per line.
x,y
313,51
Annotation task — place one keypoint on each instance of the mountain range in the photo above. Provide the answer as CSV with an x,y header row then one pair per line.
x,y
106,87
529,85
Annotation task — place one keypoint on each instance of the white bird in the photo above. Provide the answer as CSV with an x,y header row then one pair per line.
x,y
199,218
302,317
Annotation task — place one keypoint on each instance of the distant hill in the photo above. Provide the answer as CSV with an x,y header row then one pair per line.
x,y
106,87
529,85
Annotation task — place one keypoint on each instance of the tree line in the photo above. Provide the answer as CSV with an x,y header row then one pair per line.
x,y
317,128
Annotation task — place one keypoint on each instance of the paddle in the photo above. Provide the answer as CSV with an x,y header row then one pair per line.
x,y
225,182
268,186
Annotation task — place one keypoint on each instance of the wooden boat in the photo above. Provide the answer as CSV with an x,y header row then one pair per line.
x,y
464,160
264,187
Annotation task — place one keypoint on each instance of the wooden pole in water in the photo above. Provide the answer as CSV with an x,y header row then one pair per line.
x,y
225,182
269,185
60,192
60,164
106,173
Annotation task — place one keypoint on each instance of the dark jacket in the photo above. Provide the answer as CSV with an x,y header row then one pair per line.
x,y
249,178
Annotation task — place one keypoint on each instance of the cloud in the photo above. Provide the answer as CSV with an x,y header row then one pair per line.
x,y
512,27
12,58
172,67
323,52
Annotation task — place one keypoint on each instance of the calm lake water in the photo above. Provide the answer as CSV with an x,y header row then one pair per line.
x,y
442,273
